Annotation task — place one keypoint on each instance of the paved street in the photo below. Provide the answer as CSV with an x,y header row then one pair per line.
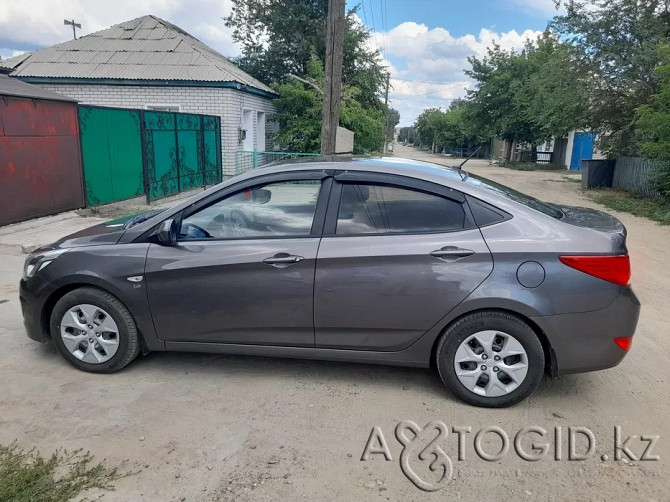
x,y
199,427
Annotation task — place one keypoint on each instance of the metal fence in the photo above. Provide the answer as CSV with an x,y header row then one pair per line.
x,y
247,160
128,153
632,173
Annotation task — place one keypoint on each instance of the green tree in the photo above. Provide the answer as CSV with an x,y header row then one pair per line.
x,y
617,41
280,38
653,125
528,96
298,112
406,134
392,120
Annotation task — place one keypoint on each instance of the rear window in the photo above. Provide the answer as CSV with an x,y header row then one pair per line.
x,y
516,196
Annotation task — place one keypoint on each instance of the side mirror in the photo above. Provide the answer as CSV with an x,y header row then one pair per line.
x,y
167,233
261,195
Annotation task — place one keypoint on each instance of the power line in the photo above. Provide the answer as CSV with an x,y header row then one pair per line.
x,y
422,81
429,93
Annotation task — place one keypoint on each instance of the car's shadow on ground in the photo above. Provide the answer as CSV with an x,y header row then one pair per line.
x,y
298,370
307,372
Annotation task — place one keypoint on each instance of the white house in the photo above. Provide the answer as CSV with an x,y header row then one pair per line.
x,y
150,63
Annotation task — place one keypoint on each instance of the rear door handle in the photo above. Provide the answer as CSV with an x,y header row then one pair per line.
x,y
452,252
283,259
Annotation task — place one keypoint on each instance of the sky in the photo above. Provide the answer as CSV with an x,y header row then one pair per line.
x,y
424,43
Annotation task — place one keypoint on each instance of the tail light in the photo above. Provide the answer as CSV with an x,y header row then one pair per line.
x,y
624,342
614,269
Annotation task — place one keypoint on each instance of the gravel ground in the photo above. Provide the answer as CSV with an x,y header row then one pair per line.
x,y
200,427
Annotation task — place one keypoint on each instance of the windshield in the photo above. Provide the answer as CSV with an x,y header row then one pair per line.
x,y
526,200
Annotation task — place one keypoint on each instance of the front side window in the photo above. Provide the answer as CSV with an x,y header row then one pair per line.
x,y
284,209
382,209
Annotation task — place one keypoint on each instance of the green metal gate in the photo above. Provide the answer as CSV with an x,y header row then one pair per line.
x,y
129,153
183,151
111,147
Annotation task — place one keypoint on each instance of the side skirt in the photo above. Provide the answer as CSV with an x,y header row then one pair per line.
x,y
414,356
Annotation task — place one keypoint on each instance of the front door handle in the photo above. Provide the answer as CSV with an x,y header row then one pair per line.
x,y
283,259
452,252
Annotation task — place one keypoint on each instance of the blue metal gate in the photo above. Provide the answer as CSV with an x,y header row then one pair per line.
x,y
582,149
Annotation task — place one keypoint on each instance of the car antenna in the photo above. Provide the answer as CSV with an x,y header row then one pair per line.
x,y
460,166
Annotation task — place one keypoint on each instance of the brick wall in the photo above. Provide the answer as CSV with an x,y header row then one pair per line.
x,y
226,103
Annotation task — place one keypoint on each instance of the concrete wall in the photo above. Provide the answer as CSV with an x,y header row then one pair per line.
x,y
228,104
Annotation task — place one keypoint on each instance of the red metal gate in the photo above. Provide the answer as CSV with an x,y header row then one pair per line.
x,y
40,161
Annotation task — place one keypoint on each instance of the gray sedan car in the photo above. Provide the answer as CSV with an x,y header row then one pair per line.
x,y
377,261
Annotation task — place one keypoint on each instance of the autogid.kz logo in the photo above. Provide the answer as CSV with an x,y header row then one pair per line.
x,y
424,461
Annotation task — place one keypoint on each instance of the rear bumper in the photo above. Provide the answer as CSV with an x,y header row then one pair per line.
x,y
585,341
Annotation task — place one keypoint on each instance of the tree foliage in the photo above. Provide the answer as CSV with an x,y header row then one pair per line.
x,y
298,112
279,39
529,96
618,42
453,127
653,125
406,134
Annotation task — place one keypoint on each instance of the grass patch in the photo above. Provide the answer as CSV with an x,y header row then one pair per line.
x,y
531,166
621,200
26,476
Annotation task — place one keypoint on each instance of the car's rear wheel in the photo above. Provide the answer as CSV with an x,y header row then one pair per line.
x,y
94,331
490,359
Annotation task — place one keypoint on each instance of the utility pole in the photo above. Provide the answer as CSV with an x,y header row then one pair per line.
x,y
74,27
386,111
333,91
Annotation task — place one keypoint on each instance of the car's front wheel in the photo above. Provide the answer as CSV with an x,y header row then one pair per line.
x,y
94,331
490,359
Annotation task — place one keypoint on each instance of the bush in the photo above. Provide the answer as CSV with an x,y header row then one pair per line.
x,y
660,180
26,476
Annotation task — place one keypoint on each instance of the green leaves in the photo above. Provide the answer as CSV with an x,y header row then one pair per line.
x,y
532,95
652,123
281,38
617,44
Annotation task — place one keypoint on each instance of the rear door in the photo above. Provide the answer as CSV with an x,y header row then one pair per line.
x,y
397,255
243,268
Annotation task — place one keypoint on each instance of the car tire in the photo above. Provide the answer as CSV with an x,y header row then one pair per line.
x,y
508,334
115,317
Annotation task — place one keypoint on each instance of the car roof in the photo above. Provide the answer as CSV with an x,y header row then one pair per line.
x,y
388,165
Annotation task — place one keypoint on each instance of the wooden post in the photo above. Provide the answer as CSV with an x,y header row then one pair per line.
x,y
332,93
386,111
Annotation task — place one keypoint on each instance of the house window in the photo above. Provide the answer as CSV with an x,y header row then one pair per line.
x,y
163,108
260,124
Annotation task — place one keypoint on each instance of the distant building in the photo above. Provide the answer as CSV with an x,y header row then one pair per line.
x,y
569,151
149,63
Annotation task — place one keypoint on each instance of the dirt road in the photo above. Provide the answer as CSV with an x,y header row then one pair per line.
x,y
205,427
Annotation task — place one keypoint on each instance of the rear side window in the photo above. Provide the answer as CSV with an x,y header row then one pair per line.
x,y
521,198
485,214
382,209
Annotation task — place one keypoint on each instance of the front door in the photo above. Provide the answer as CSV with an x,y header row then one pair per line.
x,y
242,271
397,261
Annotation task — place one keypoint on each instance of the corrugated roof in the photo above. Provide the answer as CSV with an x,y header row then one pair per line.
x,y
16,88
146,48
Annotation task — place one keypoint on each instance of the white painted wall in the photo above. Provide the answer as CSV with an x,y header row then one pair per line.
x,y
226,103
568,152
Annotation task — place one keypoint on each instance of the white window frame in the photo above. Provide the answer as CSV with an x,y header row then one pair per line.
x,y
157,107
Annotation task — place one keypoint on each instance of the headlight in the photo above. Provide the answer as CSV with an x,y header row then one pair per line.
x,y
36,262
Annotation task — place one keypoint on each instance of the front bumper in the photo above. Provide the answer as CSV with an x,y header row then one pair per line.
x,y
585,341
33,294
